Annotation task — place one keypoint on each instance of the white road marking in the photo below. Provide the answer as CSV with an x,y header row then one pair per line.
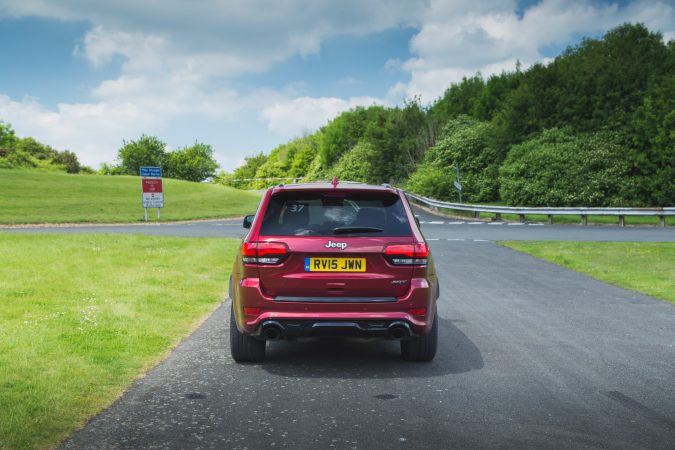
x,y
432,239
455,239
481,240
515,224
495,223
455,223
436,222
475,223
536,224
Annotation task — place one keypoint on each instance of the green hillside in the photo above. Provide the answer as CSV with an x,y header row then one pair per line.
x,y
52,197
592,127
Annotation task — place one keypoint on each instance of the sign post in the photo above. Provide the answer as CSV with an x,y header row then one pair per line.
x,y
458,184
151,184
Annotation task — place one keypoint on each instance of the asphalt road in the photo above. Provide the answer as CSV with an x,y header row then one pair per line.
x,y
434,227
531,355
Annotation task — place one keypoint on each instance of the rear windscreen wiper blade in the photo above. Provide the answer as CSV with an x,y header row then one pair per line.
x,y
349,230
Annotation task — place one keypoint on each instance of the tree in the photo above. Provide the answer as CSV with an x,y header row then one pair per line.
x,y
225,178
358,164
595,85
69,160
29,153
145,151
194,163
469,143
36,149
288,160
346,130
248,169
7,137
111,169
459,99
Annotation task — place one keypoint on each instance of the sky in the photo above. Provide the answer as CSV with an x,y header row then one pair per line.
x,y
248,75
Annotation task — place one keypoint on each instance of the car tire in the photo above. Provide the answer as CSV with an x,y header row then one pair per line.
x,y
421,348
244,348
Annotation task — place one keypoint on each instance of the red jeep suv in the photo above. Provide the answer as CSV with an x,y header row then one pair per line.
x,y
333,259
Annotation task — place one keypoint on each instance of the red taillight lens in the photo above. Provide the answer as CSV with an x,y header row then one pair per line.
x,y
263,252
251,311
400,250
248,249
407,254
421,250
418,311
271,248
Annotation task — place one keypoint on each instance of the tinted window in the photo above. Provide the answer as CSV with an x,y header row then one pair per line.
x,y
314,214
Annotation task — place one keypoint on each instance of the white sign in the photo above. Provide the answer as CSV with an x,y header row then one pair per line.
x,y
153,200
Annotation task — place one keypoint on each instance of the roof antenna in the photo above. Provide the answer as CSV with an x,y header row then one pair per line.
x,y
334,182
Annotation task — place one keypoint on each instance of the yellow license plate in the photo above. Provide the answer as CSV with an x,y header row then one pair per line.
x,y
335,264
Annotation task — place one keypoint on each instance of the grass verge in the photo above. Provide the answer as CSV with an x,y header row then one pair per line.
x,y
81,316
48,197
647,267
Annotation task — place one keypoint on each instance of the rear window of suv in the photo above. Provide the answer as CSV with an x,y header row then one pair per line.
x,y
330,214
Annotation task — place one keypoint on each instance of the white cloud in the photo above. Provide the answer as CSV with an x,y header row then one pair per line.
x,y
302,115
250,34
90,129
459,39
178,61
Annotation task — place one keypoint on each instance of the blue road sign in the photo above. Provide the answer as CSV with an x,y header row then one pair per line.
x,y
151,172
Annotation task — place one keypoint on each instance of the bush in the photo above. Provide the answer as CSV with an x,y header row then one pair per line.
x,y
470,143
289,160
68,160
111,169
15,159
433,181
37,150
315,171
357,164
561,168
225,178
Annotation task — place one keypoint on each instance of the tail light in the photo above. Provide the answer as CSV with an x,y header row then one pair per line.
x,y
263,252
416,311
251,311
407,254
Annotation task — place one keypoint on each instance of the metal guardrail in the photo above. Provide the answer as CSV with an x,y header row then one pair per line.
x,y
584,212
243,180
521,212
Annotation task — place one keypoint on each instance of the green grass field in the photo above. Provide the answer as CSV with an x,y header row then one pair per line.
x,y
647,267
81,316
48,197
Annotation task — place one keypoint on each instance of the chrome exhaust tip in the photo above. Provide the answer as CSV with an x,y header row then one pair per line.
x,y
271,331
399,330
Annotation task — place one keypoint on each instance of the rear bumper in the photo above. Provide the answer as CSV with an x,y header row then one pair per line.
x,y
349,317
289,328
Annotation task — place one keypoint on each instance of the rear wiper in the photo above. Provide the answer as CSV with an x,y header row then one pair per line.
x,y
349,230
